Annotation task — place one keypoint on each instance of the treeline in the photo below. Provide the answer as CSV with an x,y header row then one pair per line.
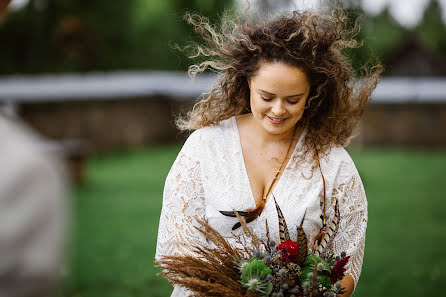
x,y
99,35
102,35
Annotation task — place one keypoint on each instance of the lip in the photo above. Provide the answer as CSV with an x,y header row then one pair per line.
x,y
276,122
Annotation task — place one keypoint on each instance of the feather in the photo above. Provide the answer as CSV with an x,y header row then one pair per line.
x,y
328,232
302,243
268,239
232,213
249,215
283,229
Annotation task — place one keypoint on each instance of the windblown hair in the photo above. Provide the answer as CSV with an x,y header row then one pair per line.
x,y
311,41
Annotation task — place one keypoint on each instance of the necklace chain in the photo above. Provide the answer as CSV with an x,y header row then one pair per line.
x,y
280,168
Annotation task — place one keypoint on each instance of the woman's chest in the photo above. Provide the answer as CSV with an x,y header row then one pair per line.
x,y
264,165
227,188
262,173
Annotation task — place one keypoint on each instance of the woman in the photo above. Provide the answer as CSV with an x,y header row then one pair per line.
x,y
275,125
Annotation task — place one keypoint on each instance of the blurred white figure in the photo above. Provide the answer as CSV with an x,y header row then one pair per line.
x,y
32,214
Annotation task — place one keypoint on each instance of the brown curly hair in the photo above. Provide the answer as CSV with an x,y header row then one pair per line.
x,y
311,41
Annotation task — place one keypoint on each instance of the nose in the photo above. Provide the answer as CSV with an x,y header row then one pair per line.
x,y
278,108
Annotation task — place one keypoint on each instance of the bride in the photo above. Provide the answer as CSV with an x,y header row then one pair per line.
x,y
274,125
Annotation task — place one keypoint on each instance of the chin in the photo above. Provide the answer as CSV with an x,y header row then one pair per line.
x,y
279,129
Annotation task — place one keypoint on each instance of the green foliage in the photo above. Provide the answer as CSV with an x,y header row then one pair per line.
x,y
97,35
255,267
89,35
325,281
432,29
380,34
324,278
241,264
253,276
309,261
308,267
269,288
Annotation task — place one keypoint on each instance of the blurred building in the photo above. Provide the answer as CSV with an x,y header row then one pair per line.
x,y
413,58
123,110
112,111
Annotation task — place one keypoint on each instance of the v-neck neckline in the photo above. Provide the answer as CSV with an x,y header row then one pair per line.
x,y
245,171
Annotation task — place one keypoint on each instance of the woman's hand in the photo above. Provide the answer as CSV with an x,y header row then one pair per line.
x,y
348,284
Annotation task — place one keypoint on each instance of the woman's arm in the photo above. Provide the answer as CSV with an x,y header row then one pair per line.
x,y
183,199
350,237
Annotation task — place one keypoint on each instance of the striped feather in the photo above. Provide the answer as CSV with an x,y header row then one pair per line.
x,y
283,229
268,239
249,216
302,243
329,232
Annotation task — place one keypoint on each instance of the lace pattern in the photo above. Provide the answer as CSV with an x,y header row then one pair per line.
x,y
353,223
183,200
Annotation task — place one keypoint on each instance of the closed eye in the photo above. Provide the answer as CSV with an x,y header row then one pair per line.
x,y
265,99
293,101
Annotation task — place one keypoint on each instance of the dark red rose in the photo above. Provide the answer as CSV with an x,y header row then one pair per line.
x,y
289,251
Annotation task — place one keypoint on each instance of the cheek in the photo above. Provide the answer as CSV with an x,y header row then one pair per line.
x,y
299,109
252,101
257,104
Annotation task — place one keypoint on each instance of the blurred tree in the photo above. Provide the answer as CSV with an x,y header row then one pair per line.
x,y
432,29
63,35
95,35
360,55
381,34
159,25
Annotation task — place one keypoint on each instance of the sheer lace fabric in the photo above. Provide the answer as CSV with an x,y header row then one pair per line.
x,y
209,175
183,199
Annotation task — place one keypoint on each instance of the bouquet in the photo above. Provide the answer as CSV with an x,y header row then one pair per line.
x,y
259,268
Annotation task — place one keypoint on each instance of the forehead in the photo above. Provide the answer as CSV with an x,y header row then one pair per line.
x,y
278,77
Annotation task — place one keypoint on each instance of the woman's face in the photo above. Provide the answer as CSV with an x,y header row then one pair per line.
x,y
278,93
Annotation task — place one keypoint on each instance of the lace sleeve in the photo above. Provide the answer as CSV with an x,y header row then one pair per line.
x,y
353,222
183,199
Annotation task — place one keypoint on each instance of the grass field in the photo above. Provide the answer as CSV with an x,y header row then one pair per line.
x,y
116,217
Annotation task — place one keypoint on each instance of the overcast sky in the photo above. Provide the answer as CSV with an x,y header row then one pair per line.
x,y
407,12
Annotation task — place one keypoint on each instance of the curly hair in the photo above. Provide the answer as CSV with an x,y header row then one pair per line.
x,y
311,41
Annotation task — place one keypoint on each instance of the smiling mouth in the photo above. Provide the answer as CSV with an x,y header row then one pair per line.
x,y
276,121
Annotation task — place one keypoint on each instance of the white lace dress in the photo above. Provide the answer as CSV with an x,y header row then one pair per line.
x,y
209,175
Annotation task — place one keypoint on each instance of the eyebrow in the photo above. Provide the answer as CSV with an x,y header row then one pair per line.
x,y
268,93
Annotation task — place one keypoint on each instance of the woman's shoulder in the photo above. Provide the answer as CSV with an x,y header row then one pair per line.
x,y
218,131
214,135
337,161
223,126
338,154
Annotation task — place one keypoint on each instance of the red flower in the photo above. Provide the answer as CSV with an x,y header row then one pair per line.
x,y
289,251
338,270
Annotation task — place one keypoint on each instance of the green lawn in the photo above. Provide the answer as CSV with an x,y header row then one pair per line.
x,y
116,217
